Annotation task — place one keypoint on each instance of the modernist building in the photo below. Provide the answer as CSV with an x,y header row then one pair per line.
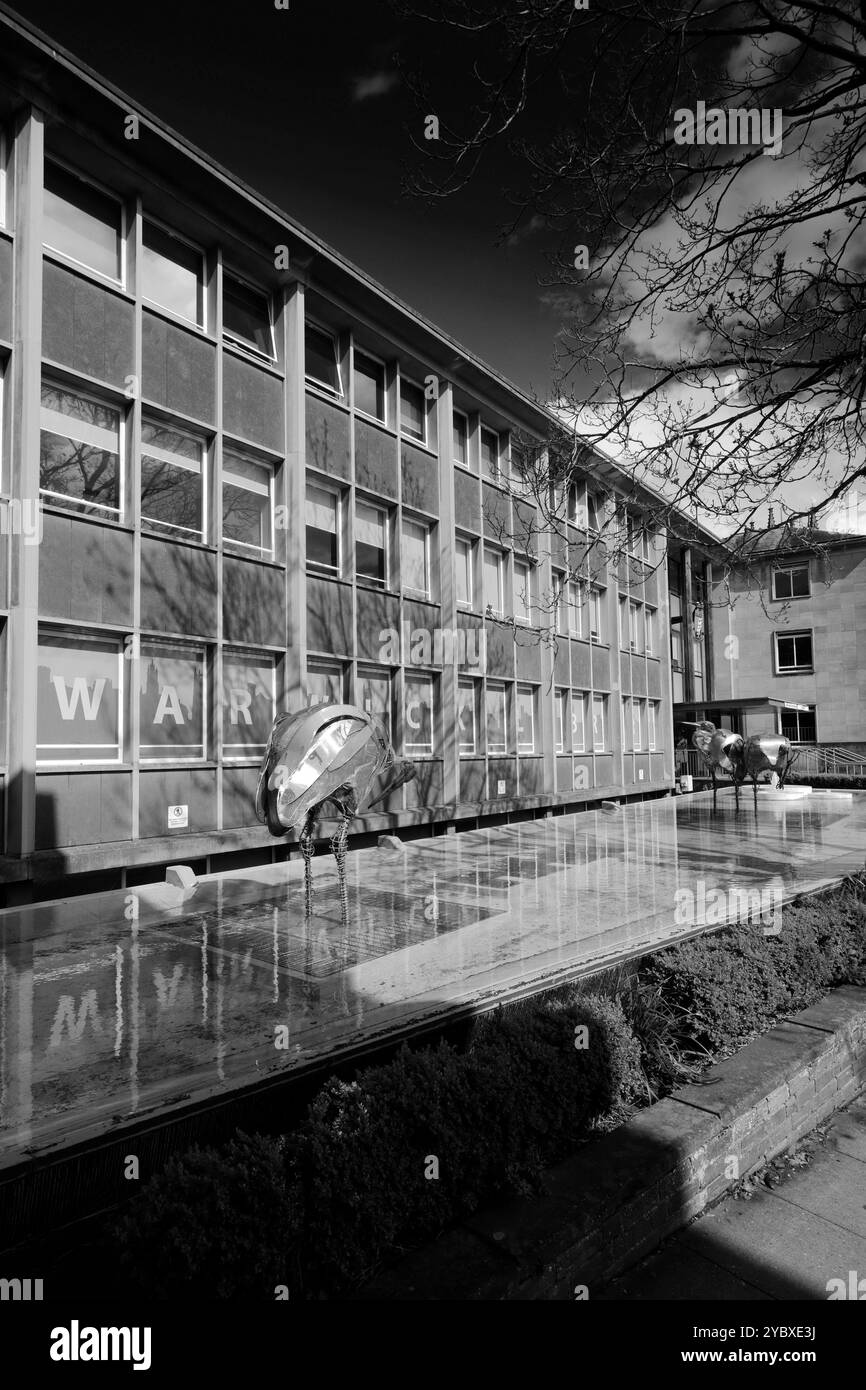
x,y
238,475
789,638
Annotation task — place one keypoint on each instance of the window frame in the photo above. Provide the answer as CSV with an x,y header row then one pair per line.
x,y
153,304
370,672
599,701
523,608
63,256
385,512
419,678
561,720
47,636
496,687
521,688
421,439
62,500
313,566
652,708
497,474
380,362
340,393
425,527
255,551
242,344
649,626
184,650
500,557
790,570
235,656
465,461
474,686
467,605
578,700
326,666
793,636
168,529
594,598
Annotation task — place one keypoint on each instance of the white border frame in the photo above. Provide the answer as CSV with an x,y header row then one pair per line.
x,y
125,221
314,381
63,500
357,350
88,637
241,343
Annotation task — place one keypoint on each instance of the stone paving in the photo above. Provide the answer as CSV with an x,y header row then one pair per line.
x,y
124,1005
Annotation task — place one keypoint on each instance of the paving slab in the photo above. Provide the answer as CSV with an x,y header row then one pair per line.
x,y
679,1274
848,1131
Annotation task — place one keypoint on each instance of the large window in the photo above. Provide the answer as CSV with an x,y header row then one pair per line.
x,y
323,530
494,581
415,557
526,718
413,411
172,481
172,274
82,223
468,692
490,446
326,683
322,359
79,707
574,608
522,591
172,704
418,734
463,552
799,725
649,630
247,317
80,451
578,721
461,439
599,730
791,582
793,652
371,543
496,714
247,705
637,725
369,386
247,504
635,627
375,693
627,731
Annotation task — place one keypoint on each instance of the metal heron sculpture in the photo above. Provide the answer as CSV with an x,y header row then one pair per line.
x,y
326,754
724,751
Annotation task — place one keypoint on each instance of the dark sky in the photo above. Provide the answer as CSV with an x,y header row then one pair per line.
x,y
274,96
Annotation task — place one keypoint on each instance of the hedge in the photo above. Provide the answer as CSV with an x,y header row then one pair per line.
x,y
844,781
319,1209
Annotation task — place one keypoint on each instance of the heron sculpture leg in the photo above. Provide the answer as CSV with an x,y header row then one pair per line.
x,y
338,848
308,849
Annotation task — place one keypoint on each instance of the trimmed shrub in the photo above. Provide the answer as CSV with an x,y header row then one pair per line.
x,y
216,1223
828,780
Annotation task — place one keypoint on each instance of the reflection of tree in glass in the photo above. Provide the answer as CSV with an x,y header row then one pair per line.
x,y
74,467
171,493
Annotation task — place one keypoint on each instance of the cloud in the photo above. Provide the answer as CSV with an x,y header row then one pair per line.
x,y
375,84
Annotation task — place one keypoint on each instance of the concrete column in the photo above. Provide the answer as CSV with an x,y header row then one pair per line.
x,y
295,493
24,401
447,592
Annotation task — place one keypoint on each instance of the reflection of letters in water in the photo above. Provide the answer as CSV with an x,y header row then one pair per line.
x,y
66,1019
166,991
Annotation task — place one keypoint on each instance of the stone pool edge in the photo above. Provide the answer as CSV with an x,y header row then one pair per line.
x,y
615,1200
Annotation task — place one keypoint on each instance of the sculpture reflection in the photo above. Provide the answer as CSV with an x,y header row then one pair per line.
x,y
724,751
325,755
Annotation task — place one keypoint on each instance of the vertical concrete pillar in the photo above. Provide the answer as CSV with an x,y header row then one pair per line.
x,y
24,395
295,493
447,593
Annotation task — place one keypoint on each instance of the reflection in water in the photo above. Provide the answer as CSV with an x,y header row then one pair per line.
x,y
116,1006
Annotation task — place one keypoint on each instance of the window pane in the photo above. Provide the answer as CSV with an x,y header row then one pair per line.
x,y
247,503
466,716
595,615
627,729
81,222
598,730
247,706
782,584
80,450
370,532
375,692
651,723
172,704
414,557
247,315
172,274
321,517
489,453
495,708
463,553
637,723
172,496
525,719
324,684
461,434
369,386
560,719
320,354
578,721
77,701
800,583
418,697
413,414
649,630
522,598
574,595
493,580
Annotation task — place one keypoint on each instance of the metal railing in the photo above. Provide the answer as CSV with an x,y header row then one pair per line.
x,y
812,760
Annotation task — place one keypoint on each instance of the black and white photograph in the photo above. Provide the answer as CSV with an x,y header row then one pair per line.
x,y
432,671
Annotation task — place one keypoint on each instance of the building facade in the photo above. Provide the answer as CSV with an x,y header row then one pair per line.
x,y
239,476
789,636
